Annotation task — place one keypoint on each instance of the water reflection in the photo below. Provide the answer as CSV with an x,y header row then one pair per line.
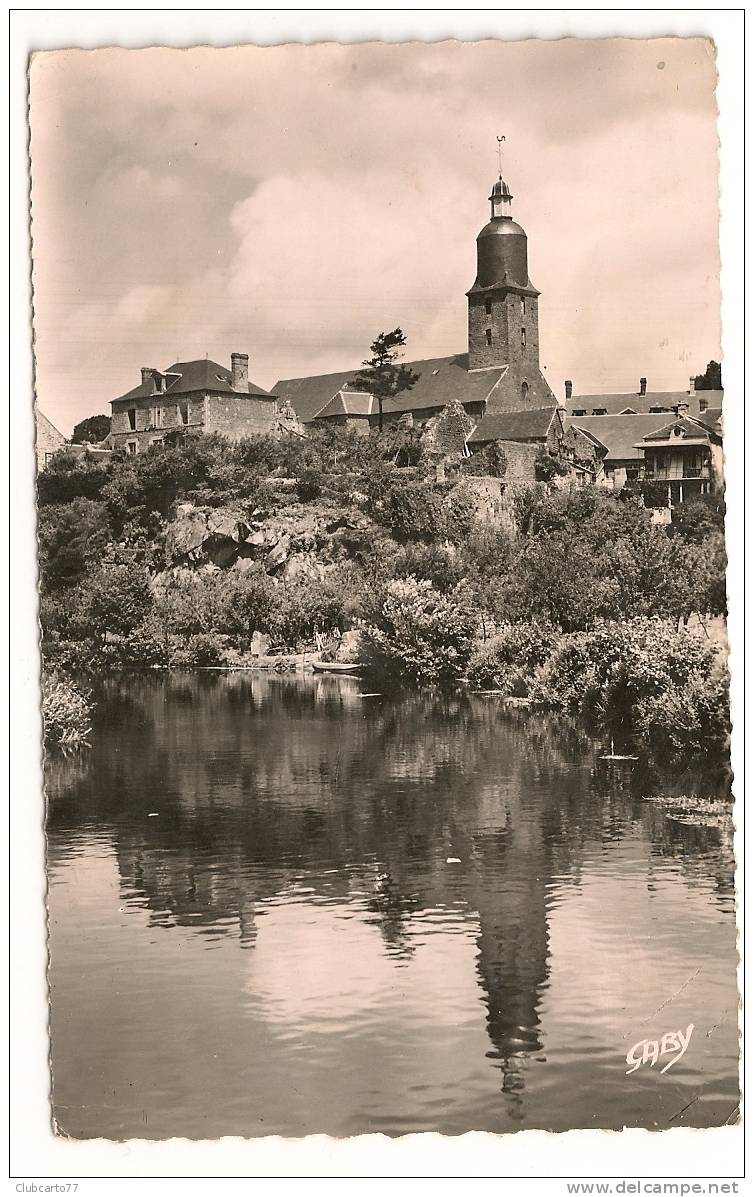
x,y
299,818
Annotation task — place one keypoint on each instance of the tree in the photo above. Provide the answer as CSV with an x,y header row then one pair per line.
x,y
72,537
381,375
91,431
711,380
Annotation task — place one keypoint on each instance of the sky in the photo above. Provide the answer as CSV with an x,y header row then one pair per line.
x,y
292,202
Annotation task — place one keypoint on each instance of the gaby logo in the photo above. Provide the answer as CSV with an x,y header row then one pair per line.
x,y
648,1051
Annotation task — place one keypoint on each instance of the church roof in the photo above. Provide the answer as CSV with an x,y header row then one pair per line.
x,y
348,403
515,425
441,379
202,375
620,433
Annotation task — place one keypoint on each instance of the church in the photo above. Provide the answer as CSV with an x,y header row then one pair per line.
x,y
498,382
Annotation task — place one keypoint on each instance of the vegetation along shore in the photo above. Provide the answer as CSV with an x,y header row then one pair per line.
x,y
202,552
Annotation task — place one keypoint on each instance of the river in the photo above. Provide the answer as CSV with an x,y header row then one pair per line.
x,y
289,906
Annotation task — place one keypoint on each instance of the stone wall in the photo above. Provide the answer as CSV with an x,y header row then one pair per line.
x,y
521,459
448,432
237,416
513,324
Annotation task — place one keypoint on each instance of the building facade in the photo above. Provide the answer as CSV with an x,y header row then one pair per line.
x,y
48,440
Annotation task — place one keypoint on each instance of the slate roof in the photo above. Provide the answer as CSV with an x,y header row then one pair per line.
x,y
615,404
514,426
441,380
693,430
203,375
348,403
620,433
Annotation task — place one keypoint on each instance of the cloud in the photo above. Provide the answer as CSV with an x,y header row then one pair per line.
x,y
294,201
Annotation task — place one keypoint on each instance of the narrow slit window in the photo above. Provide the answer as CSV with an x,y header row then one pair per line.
x,y
523,338
488,335
488,306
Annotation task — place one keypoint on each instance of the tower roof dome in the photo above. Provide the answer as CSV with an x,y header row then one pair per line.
x,y
502,258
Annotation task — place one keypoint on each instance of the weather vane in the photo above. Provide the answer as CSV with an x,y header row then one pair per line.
x,y
500,141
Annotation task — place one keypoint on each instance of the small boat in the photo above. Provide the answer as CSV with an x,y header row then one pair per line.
x,y
335,667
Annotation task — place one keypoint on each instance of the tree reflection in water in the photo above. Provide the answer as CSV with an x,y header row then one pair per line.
x,y
262,783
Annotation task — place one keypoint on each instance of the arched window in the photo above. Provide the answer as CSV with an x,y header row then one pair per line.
x,y
524,390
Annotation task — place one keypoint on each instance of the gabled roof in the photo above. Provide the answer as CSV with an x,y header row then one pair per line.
x,y
585,432
619,433
683,428
202,375
640,404
46,426
348,403
441,379
514,425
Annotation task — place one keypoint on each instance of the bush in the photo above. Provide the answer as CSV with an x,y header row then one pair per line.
x,y
694,717
511,658
418,634
66,712
627,675
199,650
148,645
71,537
305,608
115,598
308,486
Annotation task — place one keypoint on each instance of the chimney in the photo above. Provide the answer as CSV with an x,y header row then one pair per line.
x,y
692,385
147,374
682,408
568,388
239,371
642,386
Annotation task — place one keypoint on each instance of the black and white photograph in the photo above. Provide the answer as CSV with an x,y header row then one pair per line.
x,y
381,410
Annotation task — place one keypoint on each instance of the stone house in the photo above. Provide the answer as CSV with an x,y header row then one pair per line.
x,y
198,396
48,440
523,437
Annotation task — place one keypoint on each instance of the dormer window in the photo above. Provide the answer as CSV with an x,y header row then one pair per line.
x,y
703,405
579,411
599,411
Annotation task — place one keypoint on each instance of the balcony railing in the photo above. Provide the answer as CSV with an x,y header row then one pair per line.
x,y
677,473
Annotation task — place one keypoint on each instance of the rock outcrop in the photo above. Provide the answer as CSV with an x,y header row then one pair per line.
x,y
297,542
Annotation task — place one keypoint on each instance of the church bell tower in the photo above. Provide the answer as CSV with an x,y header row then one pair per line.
x,y
503,307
